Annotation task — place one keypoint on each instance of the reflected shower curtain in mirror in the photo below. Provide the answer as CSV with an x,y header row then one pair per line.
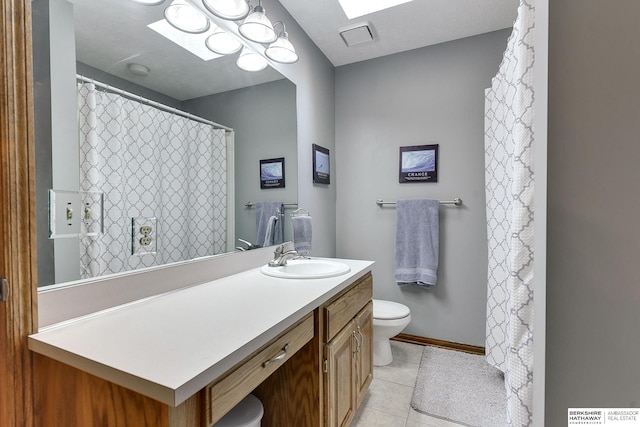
x,y
509,150
149,163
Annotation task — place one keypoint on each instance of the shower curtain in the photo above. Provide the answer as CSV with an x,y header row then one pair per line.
x,y
149,163
509,146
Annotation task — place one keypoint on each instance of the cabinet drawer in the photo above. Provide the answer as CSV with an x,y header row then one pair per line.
x,y
344,308
222,395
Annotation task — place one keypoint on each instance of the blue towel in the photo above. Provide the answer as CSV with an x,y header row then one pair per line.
x,y
302,234
264,212
417,242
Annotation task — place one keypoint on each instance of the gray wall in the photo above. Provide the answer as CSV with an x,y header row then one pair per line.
x,y
429,95
593,237
314,77
55,130
42,130
264,120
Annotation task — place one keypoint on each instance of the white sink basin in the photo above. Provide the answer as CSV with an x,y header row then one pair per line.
x,y
307,269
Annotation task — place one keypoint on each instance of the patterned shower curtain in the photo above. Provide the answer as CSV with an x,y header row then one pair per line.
x,y
149,163
509,155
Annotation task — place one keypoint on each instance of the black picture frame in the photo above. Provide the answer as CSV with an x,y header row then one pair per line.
x,y
272,173
321,165
418,163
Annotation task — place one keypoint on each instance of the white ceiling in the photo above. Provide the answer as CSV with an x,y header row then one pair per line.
x,y
112,33
408,26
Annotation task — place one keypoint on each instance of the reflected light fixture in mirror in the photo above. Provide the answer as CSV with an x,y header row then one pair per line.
x,y
282,50
250,61
231,10
222,42
257,26
186,18
138,69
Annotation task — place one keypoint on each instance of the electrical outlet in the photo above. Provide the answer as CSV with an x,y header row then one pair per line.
x,y
145,241
143,235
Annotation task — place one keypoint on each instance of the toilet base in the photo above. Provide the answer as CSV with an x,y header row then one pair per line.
x,y
382,353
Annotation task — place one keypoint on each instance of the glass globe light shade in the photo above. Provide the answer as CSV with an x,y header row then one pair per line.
x,y
222,42
232,10
282,50
257,27
250,61
185,17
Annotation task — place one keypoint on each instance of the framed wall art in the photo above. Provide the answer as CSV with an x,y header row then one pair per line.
x,y
321,167
419,163
272,173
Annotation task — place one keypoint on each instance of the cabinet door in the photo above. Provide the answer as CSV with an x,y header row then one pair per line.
x,y
364,359
340,354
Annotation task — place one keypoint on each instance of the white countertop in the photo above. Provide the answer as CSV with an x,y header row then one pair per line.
x,y
170,346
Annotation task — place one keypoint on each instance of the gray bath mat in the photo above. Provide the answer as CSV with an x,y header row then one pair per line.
x,y
460,387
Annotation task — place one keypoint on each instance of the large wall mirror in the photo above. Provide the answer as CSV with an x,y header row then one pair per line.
x,y
124,178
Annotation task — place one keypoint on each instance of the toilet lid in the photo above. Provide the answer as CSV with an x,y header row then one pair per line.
x,y
389,310
248,412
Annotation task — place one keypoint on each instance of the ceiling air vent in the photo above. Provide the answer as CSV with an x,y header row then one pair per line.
x,y
357,34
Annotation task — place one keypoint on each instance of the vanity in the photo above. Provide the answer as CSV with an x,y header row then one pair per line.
x,y
186,356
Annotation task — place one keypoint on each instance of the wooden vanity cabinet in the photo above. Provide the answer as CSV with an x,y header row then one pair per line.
x,y
348,353
318,380
225,393
340,360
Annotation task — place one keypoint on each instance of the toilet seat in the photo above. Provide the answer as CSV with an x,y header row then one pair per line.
x,y
389,310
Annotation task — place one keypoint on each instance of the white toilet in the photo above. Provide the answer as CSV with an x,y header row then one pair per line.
x,y
389,319
247,413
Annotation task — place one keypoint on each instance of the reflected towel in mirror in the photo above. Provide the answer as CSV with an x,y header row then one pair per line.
x,y
264,212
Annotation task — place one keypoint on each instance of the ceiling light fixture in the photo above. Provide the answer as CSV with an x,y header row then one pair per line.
x,y
282,50
190,21
257,26
251,61
186,18
232,10
138,69
222,42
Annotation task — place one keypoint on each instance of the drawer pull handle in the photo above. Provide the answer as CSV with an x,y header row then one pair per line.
x,y
280,356
355,337
361,339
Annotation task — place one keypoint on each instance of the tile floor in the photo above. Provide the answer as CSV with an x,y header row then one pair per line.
x,y
388,401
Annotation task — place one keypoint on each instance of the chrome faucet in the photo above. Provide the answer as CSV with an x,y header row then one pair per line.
x,y
248,244
280,256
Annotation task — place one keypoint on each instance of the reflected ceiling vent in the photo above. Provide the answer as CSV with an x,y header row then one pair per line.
x,y
357,34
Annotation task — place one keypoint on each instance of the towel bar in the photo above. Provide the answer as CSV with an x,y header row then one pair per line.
x,y
457,201
286,205
300,212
